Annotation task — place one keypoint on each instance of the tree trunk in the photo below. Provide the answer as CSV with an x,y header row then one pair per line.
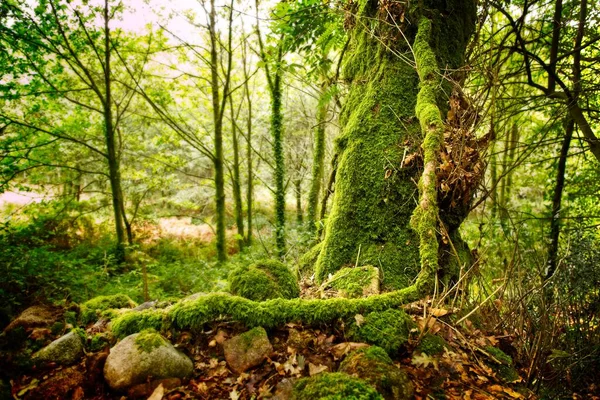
x,y
299,212
375,196
249,183
277,133
317,168
236,183
114,172
557,199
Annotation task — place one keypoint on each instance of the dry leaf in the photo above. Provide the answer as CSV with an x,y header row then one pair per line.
x,y
438,312
359,320
316,369
341,349
234,395
158,393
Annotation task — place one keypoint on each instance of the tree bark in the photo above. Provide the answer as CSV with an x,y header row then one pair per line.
x,y
374,195
317,168
236,182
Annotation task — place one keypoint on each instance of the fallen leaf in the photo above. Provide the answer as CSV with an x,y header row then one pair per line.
x,y
234,395
158,393
438,312
359,320
341,349
316,369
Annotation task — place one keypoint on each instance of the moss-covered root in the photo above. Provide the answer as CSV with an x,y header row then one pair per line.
x,y
334,386
90,310
425,216
268,314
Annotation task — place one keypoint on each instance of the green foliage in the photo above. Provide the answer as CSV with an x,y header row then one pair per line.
x,y
91,309
263,280
389,329
149,339
505,369
334,386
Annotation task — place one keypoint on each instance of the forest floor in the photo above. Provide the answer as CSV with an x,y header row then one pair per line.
x,y
463,370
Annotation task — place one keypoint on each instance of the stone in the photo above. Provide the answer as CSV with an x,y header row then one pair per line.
x,y
65,384
65,350
353,282
144,356
247,350
374,366
35,317
284,389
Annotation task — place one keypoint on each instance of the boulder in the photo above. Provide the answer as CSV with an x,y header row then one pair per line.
x,y
35,317
264,280
65,350
388,329
247,350
144,356
354,282
374,366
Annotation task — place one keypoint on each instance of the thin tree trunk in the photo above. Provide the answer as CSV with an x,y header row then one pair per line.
x,y
249,183
277,132
236,183
299,212
557,199
111,151
317,167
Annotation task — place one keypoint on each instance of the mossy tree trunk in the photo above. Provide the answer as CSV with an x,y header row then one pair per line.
x,y
317,166
375,195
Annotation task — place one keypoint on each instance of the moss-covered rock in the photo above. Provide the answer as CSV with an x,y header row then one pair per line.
x,y
505,370
91,309
65,350
388,329
374,365
354,282
334,386
149,339
432,345
247,350
263,280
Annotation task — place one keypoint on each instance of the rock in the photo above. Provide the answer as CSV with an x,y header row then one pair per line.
x,y
65,384
299,340
91,309
145,306
263,280
373,365
334,385
142,356
388,329
284,389
35,317
354,282
65,350
247,350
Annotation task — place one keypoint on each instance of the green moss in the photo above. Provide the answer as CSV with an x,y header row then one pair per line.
x,y
306,263
505,369
266,279
432,345
354,282
57,328
388,329
375,366
98,342
499,355
90,310
271,313
149,339
334,386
